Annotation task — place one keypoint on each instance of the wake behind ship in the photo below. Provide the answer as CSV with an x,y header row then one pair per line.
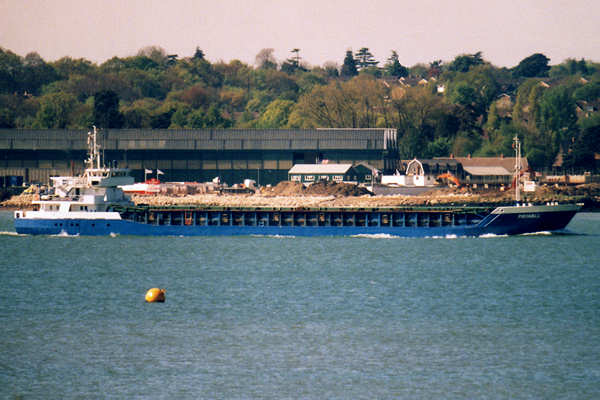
x,y
95,204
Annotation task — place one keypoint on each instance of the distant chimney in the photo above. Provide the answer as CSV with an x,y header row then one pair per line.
x,y
451,155
469,156
501,155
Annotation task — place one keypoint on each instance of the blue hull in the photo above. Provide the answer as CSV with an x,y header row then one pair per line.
x,y
493,223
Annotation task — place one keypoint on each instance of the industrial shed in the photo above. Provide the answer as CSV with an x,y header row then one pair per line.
x,y
233,155
494,171
310,173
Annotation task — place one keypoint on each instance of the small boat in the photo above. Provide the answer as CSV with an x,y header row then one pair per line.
x,y
149,187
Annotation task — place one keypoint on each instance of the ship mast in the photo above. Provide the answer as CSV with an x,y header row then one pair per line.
x,y
517,147
93,153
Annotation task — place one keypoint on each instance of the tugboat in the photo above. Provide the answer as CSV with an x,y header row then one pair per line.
x,y
95,204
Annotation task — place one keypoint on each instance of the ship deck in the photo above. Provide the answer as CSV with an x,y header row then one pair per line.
x,y
303,216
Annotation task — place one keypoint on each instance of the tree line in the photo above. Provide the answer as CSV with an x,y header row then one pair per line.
x,y
466,106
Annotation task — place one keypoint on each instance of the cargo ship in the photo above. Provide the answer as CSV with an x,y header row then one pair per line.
x,y
95,204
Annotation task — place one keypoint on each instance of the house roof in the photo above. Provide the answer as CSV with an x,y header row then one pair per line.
x,y
320,169
508,163
487,171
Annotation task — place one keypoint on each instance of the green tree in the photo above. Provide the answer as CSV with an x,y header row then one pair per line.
x,y
534,65
156,54
557,114
265,59
67,66
291,65
161,120
364,59
11,72
106,110
198,54
526,108
55,109
356,103
138,113
193,71
589,92
276,114
37,73
585,145
197,119
332,69
214,118
465,62
179,118
394,68
349,67
420,117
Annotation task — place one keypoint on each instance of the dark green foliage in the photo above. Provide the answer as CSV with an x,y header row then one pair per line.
x,y
292,65
394,68
589,92
161,120
106,110
534,65
471,107
11,72
364,59
198,54
581,154
465,62
349,67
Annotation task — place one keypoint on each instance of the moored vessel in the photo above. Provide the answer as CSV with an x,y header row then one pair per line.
x,y
95,204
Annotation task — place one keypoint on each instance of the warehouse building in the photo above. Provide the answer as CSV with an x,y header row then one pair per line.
x,y
264,155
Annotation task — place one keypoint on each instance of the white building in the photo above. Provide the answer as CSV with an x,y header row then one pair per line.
x,y
414,176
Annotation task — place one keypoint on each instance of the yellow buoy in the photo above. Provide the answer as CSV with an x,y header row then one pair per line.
x,y
155,295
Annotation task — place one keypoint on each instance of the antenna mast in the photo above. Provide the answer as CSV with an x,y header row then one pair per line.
x,y
517,146
93,147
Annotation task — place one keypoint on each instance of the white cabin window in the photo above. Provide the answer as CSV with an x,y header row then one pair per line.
x,y
338,178
309,178
295,178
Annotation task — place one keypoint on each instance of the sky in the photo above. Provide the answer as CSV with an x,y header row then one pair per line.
x,y
420,31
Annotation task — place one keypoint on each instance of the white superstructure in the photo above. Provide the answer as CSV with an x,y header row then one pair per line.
x,y
86,196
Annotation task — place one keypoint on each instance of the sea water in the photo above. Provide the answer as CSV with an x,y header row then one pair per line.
x,y
301,318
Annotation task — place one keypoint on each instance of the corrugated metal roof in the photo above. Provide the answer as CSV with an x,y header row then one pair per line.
x,y
320,169
207,139
507,163
487,171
